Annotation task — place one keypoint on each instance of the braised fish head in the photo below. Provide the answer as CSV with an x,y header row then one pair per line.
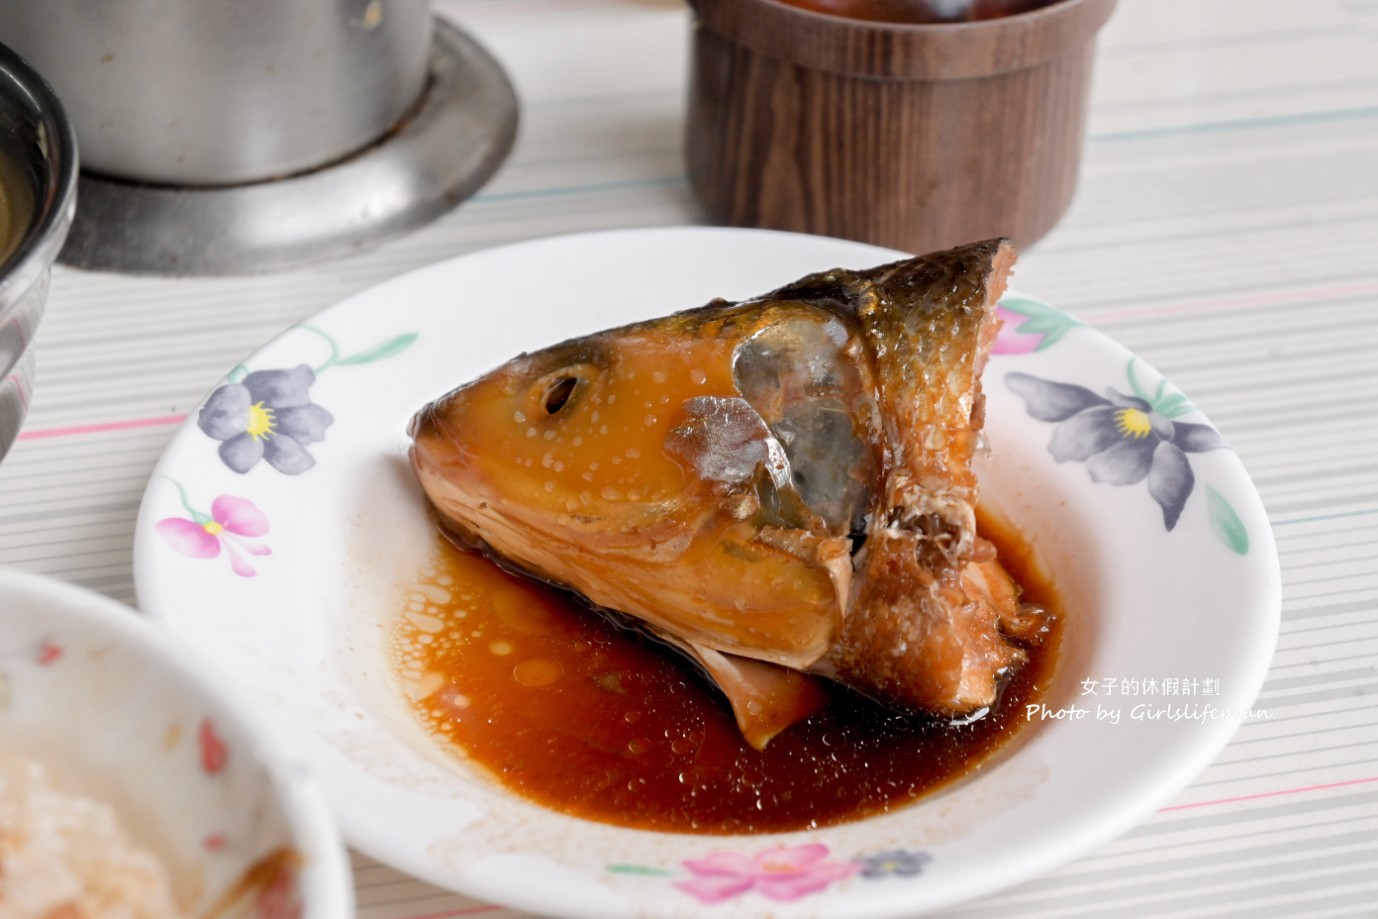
x,y
673,470
783,481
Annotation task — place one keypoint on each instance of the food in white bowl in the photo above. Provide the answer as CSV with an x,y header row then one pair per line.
x,y
69,855
131,787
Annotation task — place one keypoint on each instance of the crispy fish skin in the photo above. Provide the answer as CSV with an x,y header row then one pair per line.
x,y
913,632
784,480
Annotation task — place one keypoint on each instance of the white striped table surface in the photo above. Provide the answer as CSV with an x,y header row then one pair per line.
x,y
1225,229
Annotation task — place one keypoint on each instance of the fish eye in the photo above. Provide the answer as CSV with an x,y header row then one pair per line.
x,y
557,394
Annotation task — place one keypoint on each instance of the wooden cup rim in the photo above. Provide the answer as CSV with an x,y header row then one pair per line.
x,y
906,51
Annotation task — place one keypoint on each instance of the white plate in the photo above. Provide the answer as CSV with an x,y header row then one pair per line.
x,y
1193,609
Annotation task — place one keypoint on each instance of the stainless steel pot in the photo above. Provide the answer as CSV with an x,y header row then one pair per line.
x,y
220,92
38,181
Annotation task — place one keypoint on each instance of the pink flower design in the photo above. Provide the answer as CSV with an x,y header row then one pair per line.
x,y
229,525
1010,340
214,753
780,873
1029,325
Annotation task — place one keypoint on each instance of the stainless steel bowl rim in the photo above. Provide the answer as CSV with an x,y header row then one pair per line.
x,y
38,250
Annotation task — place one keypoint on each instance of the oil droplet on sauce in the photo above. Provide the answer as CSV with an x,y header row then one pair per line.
x,y
567,709
538,671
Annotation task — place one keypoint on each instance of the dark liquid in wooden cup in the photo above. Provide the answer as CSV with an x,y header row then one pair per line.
x,y
921,11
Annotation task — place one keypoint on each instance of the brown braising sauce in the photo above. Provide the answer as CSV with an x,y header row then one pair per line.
x,y
568,710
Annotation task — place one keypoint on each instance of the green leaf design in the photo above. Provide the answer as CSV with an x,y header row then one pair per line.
x,y
1134,382
1174,406
641,871
1045,320
196,516
334,346
389,348
1169,405
1055,336
1026,307
1225,523
1039,325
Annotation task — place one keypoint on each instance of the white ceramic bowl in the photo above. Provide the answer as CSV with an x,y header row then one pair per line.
x,y
292,575
119,712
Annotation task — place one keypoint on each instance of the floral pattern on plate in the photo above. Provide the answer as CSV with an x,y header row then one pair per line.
x,y
233,524
262,415
269,414
780,873
1029,325
1125,439
903,863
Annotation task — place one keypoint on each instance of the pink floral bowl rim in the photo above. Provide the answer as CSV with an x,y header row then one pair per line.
x,y
118,711
282,526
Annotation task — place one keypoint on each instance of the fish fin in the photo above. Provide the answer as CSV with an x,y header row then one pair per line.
x,y
765,698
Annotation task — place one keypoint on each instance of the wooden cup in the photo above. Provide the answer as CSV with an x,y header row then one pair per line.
x,y
916,137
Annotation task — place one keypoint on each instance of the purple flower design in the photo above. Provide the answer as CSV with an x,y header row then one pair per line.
x,y
232,525
893,863
1123,440
268,415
